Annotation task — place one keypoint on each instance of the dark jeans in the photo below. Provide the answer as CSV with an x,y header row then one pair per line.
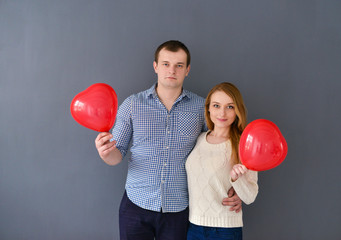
x,y
140,224
210,233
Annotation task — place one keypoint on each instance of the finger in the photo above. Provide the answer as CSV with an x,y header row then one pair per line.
x,y
236,208
233,176
240,169
229,199
237,168
229,202
100,136
237,165
107,146
230,192
104,140
232,201
106,149
244,169
237,202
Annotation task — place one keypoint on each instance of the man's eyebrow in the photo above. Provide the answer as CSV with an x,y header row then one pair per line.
x,y
165,61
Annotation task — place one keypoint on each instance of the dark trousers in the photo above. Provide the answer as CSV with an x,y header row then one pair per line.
x,y
140,224
210,233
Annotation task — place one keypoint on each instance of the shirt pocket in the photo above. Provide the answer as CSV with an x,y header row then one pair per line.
x,y
188,124
148,124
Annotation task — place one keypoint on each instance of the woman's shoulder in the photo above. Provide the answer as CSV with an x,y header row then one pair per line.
x,y
202,137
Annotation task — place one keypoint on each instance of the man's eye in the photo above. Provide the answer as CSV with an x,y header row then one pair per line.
x,y
180,66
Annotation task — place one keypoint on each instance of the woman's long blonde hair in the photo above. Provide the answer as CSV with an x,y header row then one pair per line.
x,y
239,124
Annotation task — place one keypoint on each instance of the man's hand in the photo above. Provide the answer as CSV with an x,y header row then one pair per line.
x,y
233,201
107,150
103,144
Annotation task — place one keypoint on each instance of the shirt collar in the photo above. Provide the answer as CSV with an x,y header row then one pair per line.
x,y
151,93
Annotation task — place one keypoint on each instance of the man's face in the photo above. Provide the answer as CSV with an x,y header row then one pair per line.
x,y
171,68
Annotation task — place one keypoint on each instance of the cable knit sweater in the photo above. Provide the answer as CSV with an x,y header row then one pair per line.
x,y
208,174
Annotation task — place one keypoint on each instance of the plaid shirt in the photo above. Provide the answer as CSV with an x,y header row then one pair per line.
x,y
161,143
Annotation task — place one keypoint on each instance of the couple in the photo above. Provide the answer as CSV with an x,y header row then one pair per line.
x,y
175,161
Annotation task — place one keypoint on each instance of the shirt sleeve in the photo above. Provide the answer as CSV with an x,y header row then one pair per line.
x,y
246,186
123,129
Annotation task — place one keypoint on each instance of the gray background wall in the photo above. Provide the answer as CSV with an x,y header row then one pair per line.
x,y
284,55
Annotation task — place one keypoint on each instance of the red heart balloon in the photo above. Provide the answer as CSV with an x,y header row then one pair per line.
x,y
95,107
262,146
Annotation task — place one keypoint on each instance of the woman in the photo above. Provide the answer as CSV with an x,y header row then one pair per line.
x,y
213,167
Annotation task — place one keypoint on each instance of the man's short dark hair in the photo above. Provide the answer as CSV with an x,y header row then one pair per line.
x,y
173,46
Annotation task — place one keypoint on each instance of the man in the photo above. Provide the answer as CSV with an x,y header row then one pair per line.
x,y
164,123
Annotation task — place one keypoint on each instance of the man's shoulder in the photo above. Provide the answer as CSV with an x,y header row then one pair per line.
x,y
193,95
144,94
139,95
194,98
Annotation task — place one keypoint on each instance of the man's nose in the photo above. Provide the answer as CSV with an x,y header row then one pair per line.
x,y
172,69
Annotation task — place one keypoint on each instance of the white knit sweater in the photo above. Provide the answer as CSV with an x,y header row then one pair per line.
x,y
208,174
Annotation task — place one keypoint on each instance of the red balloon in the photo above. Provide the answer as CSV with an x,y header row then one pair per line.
x,y
95,107
262,146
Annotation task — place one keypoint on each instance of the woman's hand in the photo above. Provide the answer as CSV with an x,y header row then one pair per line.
x,y
237,171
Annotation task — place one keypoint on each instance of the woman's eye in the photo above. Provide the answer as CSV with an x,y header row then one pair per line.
x,y
230,107
215,105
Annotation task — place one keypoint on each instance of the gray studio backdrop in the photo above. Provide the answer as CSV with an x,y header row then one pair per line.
x,y
284,55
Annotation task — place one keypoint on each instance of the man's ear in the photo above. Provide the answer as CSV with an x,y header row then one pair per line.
x,y
188,68
155,66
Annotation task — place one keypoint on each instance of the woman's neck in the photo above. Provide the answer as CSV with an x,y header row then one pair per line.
x,y
218,135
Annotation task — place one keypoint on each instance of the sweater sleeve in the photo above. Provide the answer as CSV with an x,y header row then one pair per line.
x,y
246,186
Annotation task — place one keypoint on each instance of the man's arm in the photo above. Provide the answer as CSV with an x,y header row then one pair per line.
x,y
107,150
233,201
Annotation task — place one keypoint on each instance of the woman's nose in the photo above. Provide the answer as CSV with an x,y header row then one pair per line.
x,y
222,112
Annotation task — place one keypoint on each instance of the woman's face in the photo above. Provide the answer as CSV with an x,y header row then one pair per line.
x,y
222,110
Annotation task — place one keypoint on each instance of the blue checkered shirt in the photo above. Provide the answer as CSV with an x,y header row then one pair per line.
x,y
161,143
